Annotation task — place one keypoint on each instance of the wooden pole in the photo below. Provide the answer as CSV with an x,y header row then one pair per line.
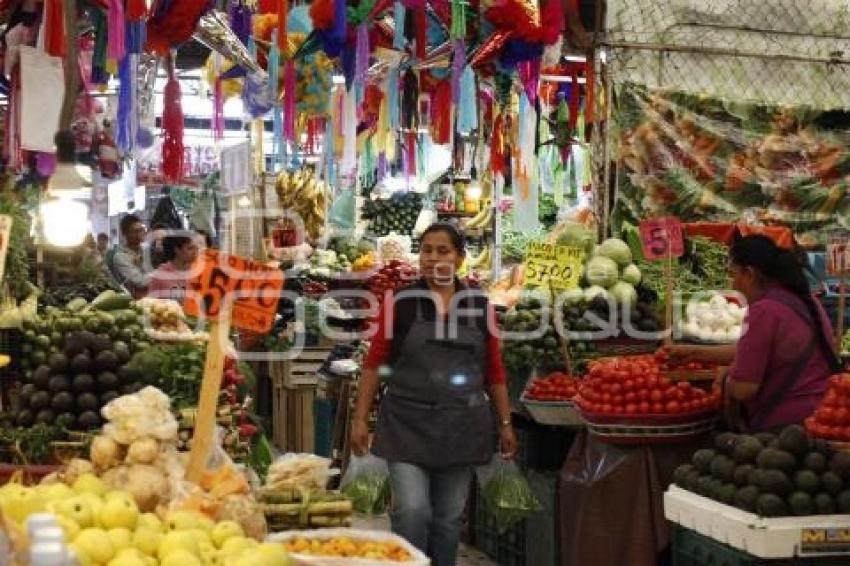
x,y
72,71
202,439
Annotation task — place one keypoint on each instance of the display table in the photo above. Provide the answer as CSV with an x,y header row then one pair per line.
x,y
611,502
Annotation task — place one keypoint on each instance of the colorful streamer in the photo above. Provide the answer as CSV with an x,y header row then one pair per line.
x,y
467,106
399,13
116,47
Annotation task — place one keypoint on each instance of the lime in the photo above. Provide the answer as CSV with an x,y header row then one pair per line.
x,y
42,341
30,335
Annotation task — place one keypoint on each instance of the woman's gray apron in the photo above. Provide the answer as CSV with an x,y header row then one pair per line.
x,y
436,413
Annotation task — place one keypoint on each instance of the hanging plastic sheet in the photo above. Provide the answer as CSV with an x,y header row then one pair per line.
x,y
526,179
703,159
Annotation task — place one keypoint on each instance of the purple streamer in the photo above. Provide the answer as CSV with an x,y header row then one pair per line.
x,y
361,62
124,135
458,62
382,166
136,36
240,21
339,30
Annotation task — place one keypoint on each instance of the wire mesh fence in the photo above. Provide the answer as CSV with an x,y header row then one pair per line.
x,y
723,109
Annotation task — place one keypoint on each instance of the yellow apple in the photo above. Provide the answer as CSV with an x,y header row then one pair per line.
x,y
128,557
149,520
96,504
207,551
119,512
181,520
206,524
78,509
237,545
147,540
181,558
69,527
56,492
225,530
272,554
89,483
121,538
177,540
96,544
80,555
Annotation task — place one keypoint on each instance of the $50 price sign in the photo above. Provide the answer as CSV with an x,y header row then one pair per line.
x,y
253,288
547,265
662,237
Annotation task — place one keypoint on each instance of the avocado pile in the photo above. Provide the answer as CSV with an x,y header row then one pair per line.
x,y
543,352
782,475
75,360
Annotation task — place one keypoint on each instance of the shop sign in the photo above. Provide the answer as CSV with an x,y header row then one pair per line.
x,y
837,260
662,237
198,161
253,288
551,266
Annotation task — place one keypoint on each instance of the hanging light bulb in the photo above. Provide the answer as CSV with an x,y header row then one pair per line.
x,y
65,221
244,201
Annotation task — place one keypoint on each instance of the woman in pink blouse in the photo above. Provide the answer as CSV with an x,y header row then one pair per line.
x,y
171,278
780,367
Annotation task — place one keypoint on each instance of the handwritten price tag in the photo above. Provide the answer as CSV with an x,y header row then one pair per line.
x,y
837,260
553,266
661,237
255,289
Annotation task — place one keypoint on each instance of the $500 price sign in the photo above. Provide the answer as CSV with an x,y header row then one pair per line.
x,y
547,265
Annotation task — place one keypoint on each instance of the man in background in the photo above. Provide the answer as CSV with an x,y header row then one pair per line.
x,y
128,264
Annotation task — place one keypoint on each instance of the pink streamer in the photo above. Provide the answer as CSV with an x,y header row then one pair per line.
x,y
529,74
218,111
458,62
115,48
289,102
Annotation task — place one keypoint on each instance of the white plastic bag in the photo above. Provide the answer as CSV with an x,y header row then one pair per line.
x,y
42,93
394,246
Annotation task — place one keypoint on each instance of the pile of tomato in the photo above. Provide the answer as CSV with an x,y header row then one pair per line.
x,y
557,386
635,386
832,419
664,362
391,277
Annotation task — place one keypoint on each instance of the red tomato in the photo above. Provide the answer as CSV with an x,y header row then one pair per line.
x,y
644,407
630,397
640,383
651,382
643,395
655,396
631,408
657,408
629,385
826,415
842,416
616,388
673,407
606,408
617,400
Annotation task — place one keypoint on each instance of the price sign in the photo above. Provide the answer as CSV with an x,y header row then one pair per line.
x,y
661,237
548,266
837,259
255,286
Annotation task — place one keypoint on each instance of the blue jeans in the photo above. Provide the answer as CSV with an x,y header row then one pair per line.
x,y
427,508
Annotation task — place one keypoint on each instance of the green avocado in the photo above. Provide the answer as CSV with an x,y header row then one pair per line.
x,y
840,464
770,505
824,504
801,504
794,440
775,459
722,468
746,449
807,481
815,461
741,475
832,483
725,442
745,498
702,459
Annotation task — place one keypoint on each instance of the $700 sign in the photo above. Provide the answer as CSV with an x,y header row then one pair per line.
x,y
559,267
253,290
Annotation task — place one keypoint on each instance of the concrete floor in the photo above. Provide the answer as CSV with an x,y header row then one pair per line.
x,y
467,556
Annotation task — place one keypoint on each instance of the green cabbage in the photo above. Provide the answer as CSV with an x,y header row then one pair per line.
x,y
624,293
602,271
577,236
592,292
631,274
617,250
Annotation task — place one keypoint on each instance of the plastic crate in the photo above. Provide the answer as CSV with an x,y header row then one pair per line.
x,y
506,548
689,548
324,415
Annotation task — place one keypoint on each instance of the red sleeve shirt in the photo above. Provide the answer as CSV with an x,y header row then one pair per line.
x,y
380,347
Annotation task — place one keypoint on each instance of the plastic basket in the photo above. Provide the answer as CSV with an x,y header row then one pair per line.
x,y
553,413
649,435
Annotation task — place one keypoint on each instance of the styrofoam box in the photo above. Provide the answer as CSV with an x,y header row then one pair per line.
x,y
417,558
787,537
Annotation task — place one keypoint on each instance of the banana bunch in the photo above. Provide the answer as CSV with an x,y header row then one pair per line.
x,y
483,219
482,260
300,192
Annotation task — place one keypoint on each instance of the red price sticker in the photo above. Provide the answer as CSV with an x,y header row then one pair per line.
x,y
661,237
255,290
837,260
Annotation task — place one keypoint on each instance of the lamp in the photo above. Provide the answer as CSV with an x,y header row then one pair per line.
x,y
64,220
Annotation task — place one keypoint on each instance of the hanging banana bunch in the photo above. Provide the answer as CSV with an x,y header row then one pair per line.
x,y
301,193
